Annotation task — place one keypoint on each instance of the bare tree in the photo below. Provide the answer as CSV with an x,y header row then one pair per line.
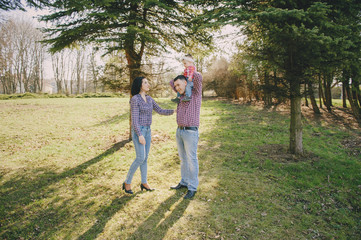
x,y
22,57
58,64
79,69
93,71
7,52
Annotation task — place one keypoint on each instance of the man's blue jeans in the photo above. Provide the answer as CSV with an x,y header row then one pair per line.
x,y
187,142
141,152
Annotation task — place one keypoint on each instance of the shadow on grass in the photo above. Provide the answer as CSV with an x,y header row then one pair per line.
x,y
114,120
157,225
104,215
21,191
264,195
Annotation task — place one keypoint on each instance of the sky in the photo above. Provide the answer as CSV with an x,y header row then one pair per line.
x,y
225,40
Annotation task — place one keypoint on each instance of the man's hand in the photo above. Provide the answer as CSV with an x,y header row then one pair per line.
x,y
142,140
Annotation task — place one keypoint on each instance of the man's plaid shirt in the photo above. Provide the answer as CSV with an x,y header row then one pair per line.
x,y
188,112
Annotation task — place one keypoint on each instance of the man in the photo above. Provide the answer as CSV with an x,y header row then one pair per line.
x,y
187,133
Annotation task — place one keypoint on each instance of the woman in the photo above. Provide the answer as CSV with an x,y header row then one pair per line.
x,y
142,106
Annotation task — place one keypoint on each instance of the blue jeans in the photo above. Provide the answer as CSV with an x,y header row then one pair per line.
x,y
188,90
187,142
141,152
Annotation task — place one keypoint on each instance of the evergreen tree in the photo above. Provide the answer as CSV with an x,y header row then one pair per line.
x,y
131,26
18,5
127,25
291,35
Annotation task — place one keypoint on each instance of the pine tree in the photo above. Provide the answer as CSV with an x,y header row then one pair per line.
x,y
8,5
291,35
131,26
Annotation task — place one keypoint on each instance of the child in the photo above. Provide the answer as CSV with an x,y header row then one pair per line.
x,y
189,70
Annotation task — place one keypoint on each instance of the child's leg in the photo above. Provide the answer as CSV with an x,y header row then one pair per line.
x,y
189,87
177,99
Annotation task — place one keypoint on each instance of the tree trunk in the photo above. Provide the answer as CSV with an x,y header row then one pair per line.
x,y
327,86
236,93
353,102
356,90
305,92
312,98
134,59
320,91
267,91
296,146
344,96
134,63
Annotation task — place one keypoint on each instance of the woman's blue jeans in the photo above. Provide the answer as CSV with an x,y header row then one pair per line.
x,y
141,152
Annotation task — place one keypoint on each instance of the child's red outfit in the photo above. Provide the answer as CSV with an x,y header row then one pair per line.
x,y
188,73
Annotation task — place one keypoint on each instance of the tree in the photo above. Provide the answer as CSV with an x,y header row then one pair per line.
x,y
93,71
18,5
129,26
21,56
58,64
114,74
290,35
219,78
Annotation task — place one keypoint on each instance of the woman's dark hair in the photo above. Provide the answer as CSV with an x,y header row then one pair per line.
x,y
137,85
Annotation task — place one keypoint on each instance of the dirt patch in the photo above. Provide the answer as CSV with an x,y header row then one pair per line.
x,y
280,153
338,116
160,137
353,145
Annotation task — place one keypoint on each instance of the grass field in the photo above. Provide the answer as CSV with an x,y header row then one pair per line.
x,y
62,163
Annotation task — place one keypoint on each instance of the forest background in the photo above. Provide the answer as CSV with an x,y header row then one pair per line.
x,y
280,144
288,50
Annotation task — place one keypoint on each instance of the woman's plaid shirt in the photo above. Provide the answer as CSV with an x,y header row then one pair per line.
x,y
142,111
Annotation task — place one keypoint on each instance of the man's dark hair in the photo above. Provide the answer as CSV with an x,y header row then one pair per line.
x,y
137,85
180,77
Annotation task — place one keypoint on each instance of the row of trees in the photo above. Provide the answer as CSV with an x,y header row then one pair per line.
x,y
21,58
288,44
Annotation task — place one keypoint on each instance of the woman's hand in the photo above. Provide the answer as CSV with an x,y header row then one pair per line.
x,y
142,140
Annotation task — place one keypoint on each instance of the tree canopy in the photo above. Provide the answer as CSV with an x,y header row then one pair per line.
x,y
294,37
18,5
132,26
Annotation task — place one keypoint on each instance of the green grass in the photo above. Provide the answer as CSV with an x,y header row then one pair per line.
x,y
62,163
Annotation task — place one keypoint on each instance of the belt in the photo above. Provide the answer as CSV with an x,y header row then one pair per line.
x,y
188,128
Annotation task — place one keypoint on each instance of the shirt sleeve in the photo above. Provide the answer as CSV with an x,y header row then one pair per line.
x,y
171,83
197,83
134,106
160,110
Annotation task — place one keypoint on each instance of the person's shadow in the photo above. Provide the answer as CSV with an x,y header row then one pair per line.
x,y
157,224
104,215
20,192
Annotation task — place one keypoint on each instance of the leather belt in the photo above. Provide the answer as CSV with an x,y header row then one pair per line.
x,y
188,128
